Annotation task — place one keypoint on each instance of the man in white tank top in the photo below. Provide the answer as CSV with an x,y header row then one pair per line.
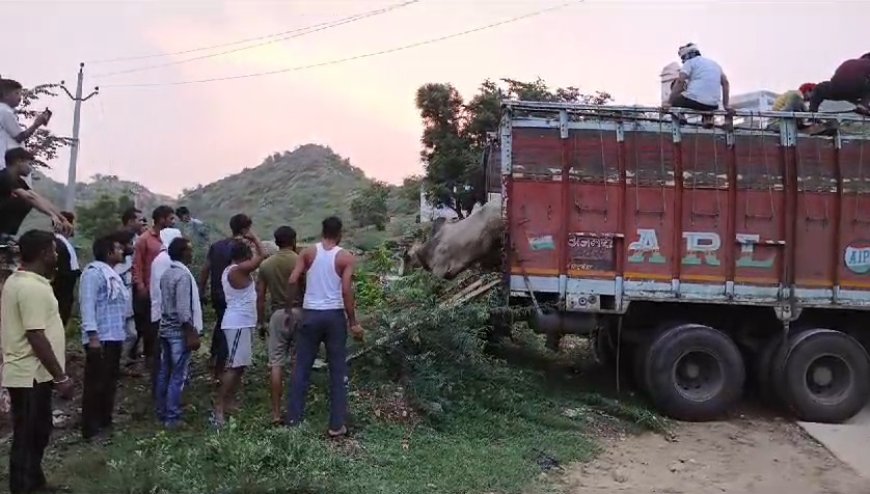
x,y
328,309
240,317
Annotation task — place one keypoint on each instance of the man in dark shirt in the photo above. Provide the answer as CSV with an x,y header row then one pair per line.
x,y
17,199
851,82
217,260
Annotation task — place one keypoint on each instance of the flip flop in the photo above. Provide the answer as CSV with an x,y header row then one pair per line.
x,y
344,433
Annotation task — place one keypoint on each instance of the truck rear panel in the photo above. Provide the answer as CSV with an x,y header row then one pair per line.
x,y
606,205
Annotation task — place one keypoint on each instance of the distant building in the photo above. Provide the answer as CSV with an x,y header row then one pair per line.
x,y
429,213
755,101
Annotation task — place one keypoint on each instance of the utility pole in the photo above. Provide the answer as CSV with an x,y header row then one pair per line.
x,y
70,202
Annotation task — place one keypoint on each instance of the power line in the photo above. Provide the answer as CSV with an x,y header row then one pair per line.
x,y
355,57
287,35
204,48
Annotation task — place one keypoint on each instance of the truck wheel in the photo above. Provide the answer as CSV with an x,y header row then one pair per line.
x,y
696,372
767,391
641,366
641,357
825,376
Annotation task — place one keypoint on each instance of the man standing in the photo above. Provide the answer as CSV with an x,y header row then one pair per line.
x,y
217,260
701,84
147,247
33,340
11,133
133,223
328,310
240,318
16,197
272,278
191,227
851,82
180,330
68,271
103,303
124,269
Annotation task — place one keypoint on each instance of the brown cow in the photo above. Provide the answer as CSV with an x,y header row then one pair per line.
x,y
456,246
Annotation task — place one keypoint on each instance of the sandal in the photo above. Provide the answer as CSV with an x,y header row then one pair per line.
x,y
340,434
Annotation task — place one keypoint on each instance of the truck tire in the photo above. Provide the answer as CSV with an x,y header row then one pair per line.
x,y
641,357
695,373
640,370
825,376
768,392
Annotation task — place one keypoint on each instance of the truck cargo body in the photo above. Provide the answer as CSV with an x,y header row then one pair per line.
x,y
607,208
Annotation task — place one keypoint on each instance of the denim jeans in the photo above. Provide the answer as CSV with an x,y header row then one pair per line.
x,y
171,379
329,327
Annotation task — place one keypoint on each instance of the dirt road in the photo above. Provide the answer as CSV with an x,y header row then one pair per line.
x,y
741,456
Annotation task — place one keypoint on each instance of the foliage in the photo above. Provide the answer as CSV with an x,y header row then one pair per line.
x,y
101,217
455,133
44,143
369,206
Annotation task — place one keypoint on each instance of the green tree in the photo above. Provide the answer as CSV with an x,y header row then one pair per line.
x,y
102,216
369,206
455,133
44,143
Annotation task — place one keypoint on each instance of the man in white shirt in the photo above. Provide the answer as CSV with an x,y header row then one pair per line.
x,y
702,84
11,133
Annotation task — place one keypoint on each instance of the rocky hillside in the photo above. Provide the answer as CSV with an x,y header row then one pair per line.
x,y
298,188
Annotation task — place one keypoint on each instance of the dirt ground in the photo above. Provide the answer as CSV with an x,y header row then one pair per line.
x,y
743,455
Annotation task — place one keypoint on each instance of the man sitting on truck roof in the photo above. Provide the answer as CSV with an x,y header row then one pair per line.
x,y
793,101
698,87
851,82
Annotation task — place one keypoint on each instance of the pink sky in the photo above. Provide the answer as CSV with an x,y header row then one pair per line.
x,y
174,137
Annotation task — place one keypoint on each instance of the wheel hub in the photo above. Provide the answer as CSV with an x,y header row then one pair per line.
x,y
822,375
698,375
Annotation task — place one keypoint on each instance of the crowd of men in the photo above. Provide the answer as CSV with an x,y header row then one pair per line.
x,y
701,84
139,293
140,288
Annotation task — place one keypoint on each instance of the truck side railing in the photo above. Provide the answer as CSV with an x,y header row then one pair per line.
x,y
844,116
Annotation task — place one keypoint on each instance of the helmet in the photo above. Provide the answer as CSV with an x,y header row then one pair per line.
x,y
688,51
807,87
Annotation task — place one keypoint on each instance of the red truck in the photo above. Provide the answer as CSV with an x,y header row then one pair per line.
x,y
702,254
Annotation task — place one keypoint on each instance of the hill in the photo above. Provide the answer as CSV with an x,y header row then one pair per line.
x,y
297,188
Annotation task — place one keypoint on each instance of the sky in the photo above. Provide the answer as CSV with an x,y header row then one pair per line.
x,y
172,137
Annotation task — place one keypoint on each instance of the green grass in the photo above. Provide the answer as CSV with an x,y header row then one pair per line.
x,y
489,442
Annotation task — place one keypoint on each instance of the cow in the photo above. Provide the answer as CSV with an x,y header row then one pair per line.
x,y
456,246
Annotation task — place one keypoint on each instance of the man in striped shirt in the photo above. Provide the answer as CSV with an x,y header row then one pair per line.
x,y
103,301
